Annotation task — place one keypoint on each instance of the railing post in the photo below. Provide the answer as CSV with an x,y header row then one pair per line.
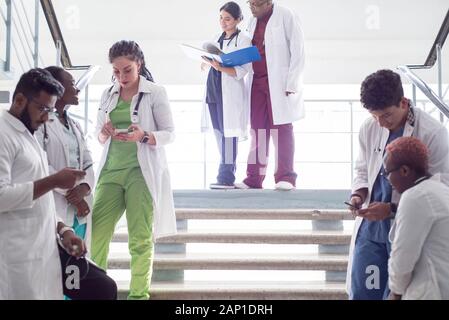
x,y
58,52
36,35
414,94
352,141
8,35
86,109
204,160
440,78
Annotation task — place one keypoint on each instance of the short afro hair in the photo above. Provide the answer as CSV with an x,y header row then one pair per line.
x,y
381,90
409,151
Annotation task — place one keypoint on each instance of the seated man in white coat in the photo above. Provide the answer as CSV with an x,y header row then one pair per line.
x,y
30,266
419,261
393,116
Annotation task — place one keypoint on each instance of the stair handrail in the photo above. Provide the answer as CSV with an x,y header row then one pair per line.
x,y
7,20
440,39
430,94
55,30
433,57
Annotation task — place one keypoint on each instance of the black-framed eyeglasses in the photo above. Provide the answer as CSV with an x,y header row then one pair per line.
x,y
256,5
43,108
386,173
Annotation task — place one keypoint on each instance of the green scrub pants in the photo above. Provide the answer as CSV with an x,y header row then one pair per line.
x,y
118,191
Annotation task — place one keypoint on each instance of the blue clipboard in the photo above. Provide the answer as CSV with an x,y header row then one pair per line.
x,y
240,57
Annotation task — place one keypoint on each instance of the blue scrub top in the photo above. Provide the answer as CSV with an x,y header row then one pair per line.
x,y
378,230
214,93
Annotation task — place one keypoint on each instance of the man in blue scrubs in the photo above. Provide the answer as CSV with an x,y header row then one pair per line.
x,y
393,116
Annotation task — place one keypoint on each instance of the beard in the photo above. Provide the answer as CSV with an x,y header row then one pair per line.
x,y
26,120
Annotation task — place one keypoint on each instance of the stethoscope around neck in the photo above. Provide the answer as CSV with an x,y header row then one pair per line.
x,y
135,113
223,38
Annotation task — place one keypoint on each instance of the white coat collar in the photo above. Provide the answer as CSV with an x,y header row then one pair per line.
x,y
144,86
15,123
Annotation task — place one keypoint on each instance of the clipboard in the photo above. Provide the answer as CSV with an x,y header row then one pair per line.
x,y
232,59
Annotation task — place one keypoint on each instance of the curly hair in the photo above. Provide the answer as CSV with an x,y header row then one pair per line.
x,y
381,90
409,151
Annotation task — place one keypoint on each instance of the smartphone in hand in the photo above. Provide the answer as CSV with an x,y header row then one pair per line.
x,y
351,205
124,131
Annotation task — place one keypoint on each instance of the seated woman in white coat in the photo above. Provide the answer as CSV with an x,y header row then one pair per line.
x,y
227,95
419,263
63,140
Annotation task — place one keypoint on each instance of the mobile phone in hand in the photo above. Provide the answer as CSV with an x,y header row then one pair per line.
x,y
128,131
351,205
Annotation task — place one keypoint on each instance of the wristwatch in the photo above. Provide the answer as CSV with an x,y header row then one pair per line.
x,y
63,230
145,137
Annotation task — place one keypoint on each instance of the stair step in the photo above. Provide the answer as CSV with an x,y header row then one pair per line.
x,y
251,290
266,237
264,214
261,198
217,261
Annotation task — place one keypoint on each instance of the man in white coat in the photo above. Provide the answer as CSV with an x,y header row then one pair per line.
x,y
276,92
392,117
419,262
30,266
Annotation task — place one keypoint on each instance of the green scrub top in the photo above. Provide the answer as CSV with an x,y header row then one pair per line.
x,y
121,154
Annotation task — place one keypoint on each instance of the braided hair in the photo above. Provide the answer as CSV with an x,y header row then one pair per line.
x,y
132,51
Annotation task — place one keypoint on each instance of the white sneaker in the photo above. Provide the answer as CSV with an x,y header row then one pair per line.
x,y
221,186
241,185
284,186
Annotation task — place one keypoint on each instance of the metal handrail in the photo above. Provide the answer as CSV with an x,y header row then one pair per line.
x,y
434,56
439,103
56,34
439,41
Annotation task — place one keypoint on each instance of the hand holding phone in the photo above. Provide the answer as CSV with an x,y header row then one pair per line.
x,y
123,131
351,205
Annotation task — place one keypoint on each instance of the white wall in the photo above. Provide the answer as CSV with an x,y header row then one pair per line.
x,y
345,39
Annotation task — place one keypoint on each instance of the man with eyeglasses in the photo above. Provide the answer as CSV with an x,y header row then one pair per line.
x,y
419,262
393,116
276,92
30,266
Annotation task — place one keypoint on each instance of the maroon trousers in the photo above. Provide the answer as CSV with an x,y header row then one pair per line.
x,y
262,129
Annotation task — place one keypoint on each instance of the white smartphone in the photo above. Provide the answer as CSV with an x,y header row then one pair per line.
x,y
123,131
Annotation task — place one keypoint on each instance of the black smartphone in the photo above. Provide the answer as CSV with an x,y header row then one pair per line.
x,y
88,166
351,205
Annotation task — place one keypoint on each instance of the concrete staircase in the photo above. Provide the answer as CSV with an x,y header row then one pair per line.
x,y
216,210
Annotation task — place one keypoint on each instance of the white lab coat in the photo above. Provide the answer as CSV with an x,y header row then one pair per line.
x,y
57,149
154,116
284,48
30,267
419,262
234,91
372,140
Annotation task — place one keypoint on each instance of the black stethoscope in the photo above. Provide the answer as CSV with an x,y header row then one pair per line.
x,y
222,39
135,113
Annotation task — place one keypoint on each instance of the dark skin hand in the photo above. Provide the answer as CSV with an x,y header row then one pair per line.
x,y
72,243
77,194
82,209
376,211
